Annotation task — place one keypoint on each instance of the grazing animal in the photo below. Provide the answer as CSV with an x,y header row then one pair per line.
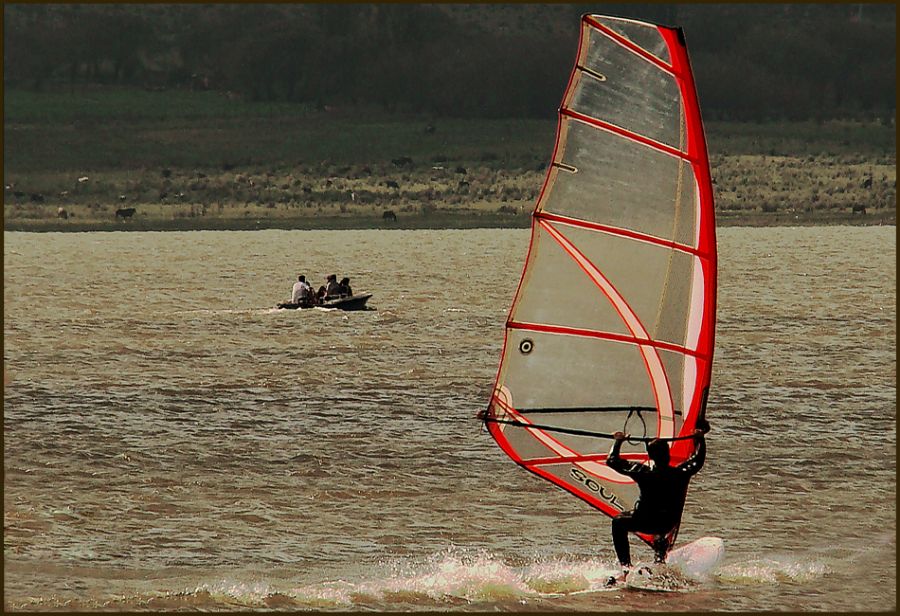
x,y
62,213
859,208
37,197
402,161
389,216
461,170
392,184
124,212
867,183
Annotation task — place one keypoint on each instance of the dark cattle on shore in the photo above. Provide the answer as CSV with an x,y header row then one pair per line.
x,y
392,184
859,208
389,216
124,212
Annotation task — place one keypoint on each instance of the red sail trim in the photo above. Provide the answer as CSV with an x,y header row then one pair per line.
x,y
496,431
593,333
624,42
594,457
560,449
588,498
624,132
636,235
699,157
517,416
606,508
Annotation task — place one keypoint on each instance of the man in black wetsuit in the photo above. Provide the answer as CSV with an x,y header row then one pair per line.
x,y
663,491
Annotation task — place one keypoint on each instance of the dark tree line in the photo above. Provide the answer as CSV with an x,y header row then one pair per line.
x,y
751,61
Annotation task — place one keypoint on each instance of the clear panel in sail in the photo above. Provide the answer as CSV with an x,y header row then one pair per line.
x,y
558,292
644,35
635,94
550,371
623,183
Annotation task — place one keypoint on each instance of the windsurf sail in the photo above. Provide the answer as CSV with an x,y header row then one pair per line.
x,y
611,328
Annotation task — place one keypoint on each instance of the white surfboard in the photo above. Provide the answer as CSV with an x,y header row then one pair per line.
x,y
699,557
683,568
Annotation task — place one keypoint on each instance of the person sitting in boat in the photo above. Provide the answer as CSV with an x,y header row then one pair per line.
x,y
663,489
346,291
302,292
332,288
320,295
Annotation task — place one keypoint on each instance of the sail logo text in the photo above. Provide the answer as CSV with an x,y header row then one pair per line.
x,y
596,488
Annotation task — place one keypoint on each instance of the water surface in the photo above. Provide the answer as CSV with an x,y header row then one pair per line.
x,y
171,441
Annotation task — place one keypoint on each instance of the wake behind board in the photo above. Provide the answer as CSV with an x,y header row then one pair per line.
x,y
683,566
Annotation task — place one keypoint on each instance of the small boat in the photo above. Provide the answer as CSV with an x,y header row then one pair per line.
x,y
354,302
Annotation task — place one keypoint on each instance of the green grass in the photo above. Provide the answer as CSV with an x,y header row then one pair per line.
x,y
132,129
228,155
120,128
101,105
835,138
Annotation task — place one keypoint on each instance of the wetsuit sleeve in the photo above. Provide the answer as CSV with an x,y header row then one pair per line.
x,y
692,465
613,461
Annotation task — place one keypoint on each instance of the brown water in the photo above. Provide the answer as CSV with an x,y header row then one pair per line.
x,y
173,442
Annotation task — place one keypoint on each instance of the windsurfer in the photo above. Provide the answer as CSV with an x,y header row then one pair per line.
x,y
663,490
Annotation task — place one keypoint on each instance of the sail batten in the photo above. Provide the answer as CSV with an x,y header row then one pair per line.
x,y
589,333
650,239
627,44
612,324
625,133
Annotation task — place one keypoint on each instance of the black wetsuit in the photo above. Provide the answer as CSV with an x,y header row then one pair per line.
x,y
658,510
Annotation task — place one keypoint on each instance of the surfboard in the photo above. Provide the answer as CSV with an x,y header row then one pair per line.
x,y
699,557
684,567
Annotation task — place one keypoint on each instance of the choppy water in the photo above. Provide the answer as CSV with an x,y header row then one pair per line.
x,y
172,442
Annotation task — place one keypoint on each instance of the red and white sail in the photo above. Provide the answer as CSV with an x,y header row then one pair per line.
x,y
612,324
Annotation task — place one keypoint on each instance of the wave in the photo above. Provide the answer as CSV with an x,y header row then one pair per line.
x,y
452,577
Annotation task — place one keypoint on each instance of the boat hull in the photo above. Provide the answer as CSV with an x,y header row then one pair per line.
x,y
354,302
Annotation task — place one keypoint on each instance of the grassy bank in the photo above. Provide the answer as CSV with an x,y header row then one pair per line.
x,y
202,160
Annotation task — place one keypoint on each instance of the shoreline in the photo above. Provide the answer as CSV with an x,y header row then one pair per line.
x,y
435,221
